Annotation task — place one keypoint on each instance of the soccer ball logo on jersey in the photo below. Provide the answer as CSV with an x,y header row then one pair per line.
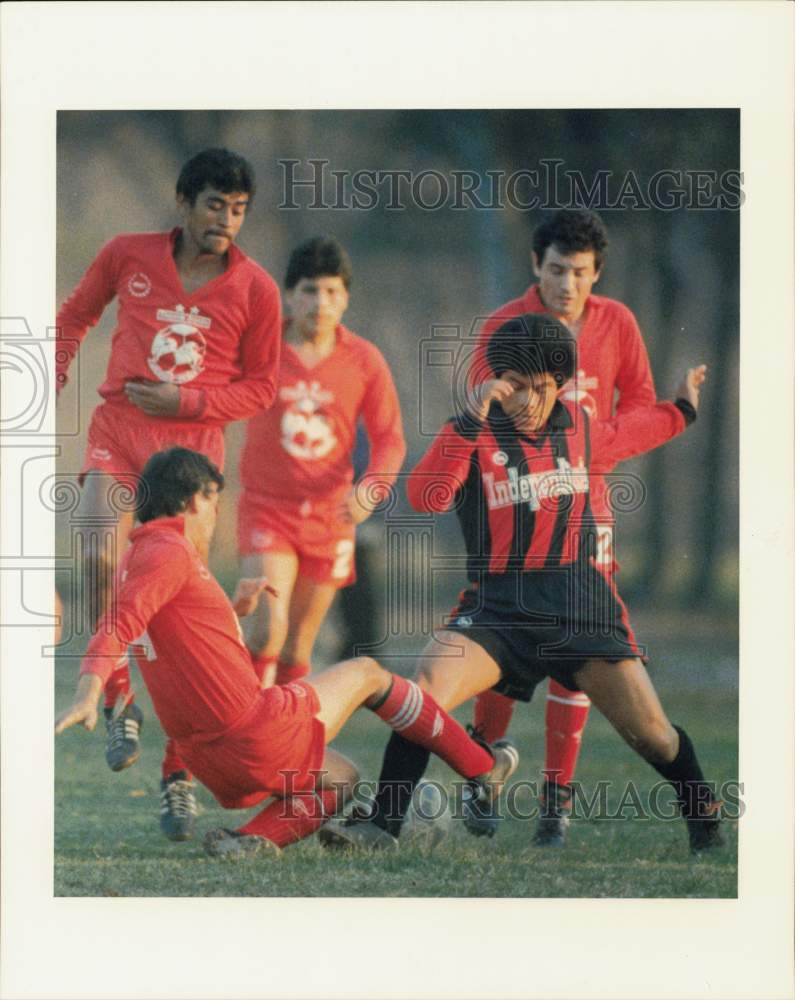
x,y
177,351
576,391
307,432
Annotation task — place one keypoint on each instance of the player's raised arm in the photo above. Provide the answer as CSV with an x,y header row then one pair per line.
x,y
644,429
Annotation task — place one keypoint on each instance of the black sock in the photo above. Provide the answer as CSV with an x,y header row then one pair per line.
x,y
403,765
684,772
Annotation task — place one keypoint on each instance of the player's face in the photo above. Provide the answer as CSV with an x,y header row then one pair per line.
x,y
211,224
530,405
565,281
205,505
317,304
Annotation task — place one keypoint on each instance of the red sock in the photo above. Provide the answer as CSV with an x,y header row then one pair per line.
x,y
287,672
493,713
567,713
284,821
262,663
414,714
118,684
172,761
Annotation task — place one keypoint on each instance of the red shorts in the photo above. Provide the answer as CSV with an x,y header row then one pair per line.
x,y
277,749
324,544
121,442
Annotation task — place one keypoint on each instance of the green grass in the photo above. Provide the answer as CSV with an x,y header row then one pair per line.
x,y
108,842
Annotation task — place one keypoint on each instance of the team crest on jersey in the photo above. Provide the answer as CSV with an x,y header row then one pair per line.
x,y
576,391
306,431
139,285
499,458
177,351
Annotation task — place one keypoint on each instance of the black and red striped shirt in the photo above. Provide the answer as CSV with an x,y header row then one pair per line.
x,y
523,503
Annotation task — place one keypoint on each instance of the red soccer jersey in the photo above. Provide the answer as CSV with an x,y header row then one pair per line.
x,y
302,447
611,356
196,667
219,344
523,503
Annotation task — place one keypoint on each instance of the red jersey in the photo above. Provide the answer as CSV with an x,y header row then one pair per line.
x,y
302,447
523,503
611,356
219,344
196,667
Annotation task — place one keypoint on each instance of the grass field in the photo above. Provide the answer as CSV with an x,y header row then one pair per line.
x,y
108,842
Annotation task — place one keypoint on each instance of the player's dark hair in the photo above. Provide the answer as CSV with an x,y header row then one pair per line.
x,y
322,256
216,168
571,231
532,345
169,480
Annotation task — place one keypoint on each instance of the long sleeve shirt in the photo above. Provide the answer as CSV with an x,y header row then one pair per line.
x,y
220,344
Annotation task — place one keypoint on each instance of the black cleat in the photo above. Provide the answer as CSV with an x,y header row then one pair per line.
x,y
177,806
123,747
481,794
229,844
553,821
705,834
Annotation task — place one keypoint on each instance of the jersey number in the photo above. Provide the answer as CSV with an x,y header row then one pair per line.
x,y
341,569
604,545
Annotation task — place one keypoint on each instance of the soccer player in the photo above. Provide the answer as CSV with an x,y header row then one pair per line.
x,y
297,528
246,743
568,255
515,467
196,345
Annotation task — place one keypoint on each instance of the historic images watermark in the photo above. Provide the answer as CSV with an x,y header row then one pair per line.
x,y
315,184
602,800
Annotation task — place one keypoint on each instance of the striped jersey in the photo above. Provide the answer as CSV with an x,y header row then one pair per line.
x,y
523,503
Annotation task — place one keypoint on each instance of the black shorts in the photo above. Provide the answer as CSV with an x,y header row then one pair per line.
x,y
546,623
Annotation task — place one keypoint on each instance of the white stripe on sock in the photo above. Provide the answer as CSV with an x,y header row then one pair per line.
x,y
409,711
585,701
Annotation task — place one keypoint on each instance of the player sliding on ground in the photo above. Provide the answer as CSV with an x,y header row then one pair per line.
x,y
196,346
243,742
515,467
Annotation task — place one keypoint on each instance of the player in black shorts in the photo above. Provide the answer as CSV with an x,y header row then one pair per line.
x,y
514,467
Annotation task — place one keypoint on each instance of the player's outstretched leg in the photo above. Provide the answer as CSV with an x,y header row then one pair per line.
x,y
624,693
450,679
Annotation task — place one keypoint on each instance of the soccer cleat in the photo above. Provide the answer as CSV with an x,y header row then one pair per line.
x,y
123,747
481,794
705,834
553,822
356,834
223,843
427,821
177,806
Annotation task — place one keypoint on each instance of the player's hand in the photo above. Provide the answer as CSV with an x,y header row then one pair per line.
x,y
480,397
247,592
84,708
691,384
352,510
156,399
